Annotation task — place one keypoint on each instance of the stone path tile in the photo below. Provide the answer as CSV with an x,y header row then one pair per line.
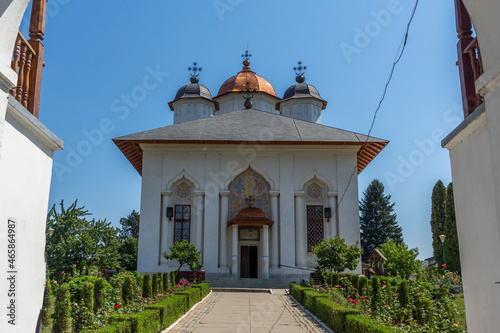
x,y
248,312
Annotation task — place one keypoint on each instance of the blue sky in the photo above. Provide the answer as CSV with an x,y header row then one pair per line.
x,y
97,52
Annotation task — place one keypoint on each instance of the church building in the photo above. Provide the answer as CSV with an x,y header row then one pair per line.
x,y
253,179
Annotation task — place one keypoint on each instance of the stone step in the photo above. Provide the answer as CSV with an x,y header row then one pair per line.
x,y
249,283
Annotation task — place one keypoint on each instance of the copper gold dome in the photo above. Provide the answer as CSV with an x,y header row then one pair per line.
x,y
238,82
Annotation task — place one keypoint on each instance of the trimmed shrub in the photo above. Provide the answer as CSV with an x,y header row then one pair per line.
x,y
99,294
298,292
172,278
170,309
204,288
386,285
147,286
403,295
160,283
83,315
154,286
62,311
335,279
375,297
119,327
354,280
47,302
363,324
362,285
127,290
147,321
117,292
193,296
332,314
310,299
166,282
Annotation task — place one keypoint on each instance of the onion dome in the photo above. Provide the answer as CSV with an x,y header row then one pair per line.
x,y
193,89
301,89
246,79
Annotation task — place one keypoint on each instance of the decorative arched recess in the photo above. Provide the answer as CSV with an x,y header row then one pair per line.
x,y
180,176
319,177
256,169
249,183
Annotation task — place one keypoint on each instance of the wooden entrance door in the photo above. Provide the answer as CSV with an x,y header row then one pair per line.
x,y
249,262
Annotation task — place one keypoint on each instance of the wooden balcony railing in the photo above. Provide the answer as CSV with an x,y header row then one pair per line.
x,y
469,59
21,64
27,60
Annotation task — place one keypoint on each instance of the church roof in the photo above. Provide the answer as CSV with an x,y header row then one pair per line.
x,y
301,90
247,127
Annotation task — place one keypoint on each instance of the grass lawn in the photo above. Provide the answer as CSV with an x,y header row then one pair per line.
x,y
459,301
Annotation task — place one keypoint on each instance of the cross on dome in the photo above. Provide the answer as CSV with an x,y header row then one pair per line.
x,y
300,71
195,72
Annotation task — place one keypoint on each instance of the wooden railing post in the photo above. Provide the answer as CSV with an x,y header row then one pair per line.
x,y
37,32
464,30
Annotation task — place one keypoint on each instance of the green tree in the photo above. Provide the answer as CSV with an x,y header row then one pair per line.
x,y
451,246
336,255
75,239
377,220
130,226
438,218
128,253
184,253
401,261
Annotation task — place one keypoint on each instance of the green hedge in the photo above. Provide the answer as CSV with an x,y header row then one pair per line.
x,y
310,299
118,327
193,296
204,287
170,309
363,324
147,321
333,315
298,292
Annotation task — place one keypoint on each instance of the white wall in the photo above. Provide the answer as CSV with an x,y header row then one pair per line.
x,y
475,156
25,173
211,168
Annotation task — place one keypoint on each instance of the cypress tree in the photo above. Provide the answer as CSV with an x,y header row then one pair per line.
x,y
154,287
62,311
88,302
377,220
166,281
438,217
147,286
451,247
47,302
99,294
159,281
127,290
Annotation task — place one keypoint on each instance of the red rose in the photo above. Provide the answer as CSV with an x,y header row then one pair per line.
x,y
117,306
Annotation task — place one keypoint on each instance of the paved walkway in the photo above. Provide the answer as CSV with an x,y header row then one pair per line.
x,y
239,312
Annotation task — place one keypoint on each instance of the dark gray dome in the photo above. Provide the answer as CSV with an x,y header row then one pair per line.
x,y
193,90
301,90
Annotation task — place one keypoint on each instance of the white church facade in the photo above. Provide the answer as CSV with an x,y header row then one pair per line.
x,y
254,180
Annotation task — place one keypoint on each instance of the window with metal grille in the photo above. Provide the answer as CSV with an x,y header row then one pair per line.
x,y
314,226
182,221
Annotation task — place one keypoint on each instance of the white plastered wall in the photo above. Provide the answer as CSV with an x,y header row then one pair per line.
x,y
213,167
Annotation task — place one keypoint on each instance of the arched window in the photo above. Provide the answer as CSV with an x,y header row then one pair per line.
x,y
182,198
315,199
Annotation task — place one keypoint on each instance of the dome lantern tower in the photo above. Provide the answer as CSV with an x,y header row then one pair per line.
x,y
302,100
230,93
193,101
